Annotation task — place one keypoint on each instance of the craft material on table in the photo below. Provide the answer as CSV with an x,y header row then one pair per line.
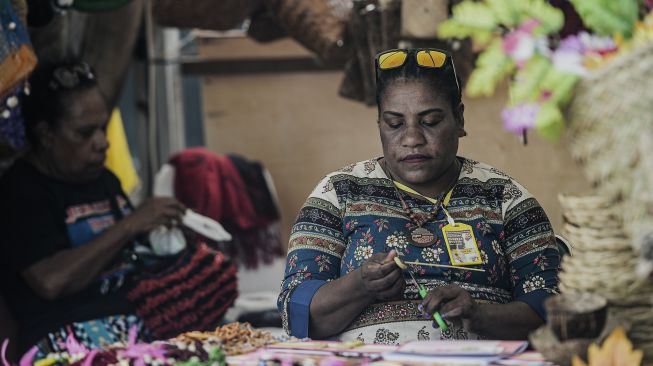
x,y
235,338
418,263
422,293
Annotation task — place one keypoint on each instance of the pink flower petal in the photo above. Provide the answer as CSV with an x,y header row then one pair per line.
x,y
520,118
529,25
88,361
27,359
3,353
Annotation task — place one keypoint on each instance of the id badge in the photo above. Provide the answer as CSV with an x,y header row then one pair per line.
x,y
461,244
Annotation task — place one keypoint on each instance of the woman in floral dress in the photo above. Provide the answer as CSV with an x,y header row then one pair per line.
x,y
425,204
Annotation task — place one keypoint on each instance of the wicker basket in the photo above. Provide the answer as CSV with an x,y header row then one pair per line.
x,y
604,263
610,131
319,25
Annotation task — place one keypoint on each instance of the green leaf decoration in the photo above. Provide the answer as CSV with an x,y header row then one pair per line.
x,y
539,81
527,84
608,17
216,358
561,86
628,10
506,12
551,19
470,19
492,66
549,122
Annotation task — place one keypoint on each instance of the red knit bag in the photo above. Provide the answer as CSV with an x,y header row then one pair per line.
x,y
192,294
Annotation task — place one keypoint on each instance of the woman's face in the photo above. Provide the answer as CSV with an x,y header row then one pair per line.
x,y
419,132
77,144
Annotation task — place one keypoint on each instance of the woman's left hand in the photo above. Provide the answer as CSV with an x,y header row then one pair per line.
x,y
454,304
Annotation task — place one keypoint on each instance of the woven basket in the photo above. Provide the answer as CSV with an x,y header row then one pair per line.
x,y
319,25
604,263
610,131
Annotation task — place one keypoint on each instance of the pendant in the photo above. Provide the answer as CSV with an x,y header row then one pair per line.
x,y
422,237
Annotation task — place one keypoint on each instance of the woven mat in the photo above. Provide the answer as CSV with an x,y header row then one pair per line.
x,y
604,263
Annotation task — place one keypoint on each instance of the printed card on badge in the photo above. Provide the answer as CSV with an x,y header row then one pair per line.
x,y
461,244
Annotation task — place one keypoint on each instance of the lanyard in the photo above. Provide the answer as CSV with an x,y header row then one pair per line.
x,y
445,201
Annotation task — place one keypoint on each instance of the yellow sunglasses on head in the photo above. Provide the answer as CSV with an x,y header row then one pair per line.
x,y
425,57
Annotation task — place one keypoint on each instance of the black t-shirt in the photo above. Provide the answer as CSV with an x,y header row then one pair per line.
x,y
41,216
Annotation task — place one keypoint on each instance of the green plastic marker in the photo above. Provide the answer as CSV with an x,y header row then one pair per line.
x,y
422,293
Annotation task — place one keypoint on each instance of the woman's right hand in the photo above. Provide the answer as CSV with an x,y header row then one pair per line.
x,y
154,212
381,278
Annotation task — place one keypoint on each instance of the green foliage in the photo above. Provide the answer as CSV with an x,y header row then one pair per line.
x,y
608,17
560,85
526,87
216,358
549,122
551,19
506,12
481,20
538,81
470,19
492,66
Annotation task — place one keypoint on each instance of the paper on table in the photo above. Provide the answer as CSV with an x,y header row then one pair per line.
x,y
347,349
440,360
457,352
529,358
464,348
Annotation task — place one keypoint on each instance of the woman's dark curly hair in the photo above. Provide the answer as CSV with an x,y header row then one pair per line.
x,y
51,88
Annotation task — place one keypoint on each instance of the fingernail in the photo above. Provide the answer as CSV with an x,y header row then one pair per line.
x,y
435,325
420,308
426,316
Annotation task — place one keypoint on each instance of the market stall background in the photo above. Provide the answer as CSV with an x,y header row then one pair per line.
x,y
268,81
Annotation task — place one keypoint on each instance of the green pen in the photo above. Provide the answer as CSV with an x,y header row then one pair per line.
x,y
422,293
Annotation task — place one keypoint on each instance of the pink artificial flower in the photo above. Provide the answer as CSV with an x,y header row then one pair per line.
x,y
529,25
520,44
520,118
28,358
597,44
3,353
138,351
88,360
570,54
546,95
73,346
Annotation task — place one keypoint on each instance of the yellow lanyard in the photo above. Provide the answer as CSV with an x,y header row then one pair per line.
x,y
445,201
405,188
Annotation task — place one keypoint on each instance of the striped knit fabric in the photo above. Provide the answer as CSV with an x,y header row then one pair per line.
x,y
193,294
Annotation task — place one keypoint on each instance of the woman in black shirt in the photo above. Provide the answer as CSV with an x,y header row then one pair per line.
x,y
62,234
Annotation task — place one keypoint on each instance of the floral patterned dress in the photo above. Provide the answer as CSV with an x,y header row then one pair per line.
x,y
356,212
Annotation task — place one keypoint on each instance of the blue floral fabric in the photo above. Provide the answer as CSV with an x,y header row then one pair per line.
x,y
356,212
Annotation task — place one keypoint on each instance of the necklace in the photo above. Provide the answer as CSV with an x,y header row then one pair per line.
x,y
419,235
